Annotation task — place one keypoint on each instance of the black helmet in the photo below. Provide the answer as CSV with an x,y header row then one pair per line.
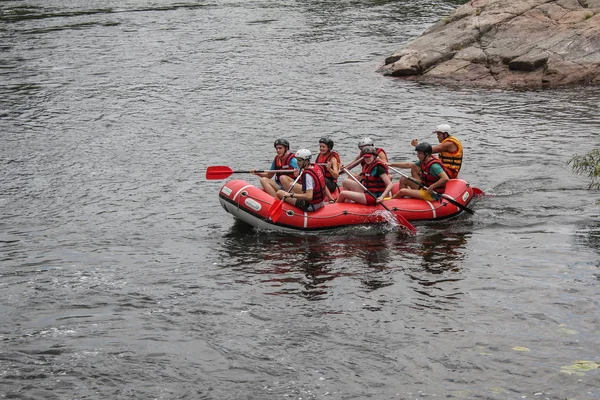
x,y
424,148
282,142
368,150
327,142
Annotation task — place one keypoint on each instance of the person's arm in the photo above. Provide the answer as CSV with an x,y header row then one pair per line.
x,y
265,174
383,157
332,167
405,165
353,164
308,193
443,178
447,146
388,182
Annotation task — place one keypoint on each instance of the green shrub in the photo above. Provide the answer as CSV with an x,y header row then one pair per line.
x,y
589,165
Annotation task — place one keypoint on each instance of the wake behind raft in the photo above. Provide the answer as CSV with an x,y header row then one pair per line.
x,y
251,204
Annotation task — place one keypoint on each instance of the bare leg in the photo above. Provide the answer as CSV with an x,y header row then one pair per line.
x,y
286,181
352,196
328,195
405,184
352,191
414,193
349,184
269,186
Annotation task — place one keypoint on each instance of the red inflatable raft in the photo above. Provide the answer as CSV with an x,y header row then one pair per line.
x,y
251,205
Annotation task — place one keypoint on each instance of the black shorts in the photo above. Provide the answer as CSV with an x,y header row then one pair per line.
x,y
304,205
331,185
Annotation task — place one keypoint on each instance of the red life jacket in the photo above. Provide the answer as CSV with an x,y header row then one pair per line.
x,y
374,183
428,178
283,163
324,159
319,178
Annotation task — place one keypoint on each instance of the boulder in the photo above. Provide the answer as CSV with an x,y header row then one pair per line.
x,y
525,44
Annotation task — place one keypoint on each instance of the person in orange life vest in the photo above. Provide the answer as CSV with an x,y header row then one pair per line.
x,y
374,177
450,150
433,175
283,160
309,195
331,159
364,142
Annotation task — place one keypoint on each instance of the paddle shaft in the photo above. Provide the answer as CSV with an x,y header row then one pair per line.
x,y
276,208
442,195
275,171
223,171
352,164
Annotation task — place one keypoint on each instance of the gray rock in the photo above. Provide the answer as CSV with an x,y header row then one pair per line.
x,y
527,44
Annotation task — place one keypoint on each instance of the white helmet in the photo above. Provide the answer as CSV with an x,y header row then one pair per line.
x,y
365,142
444,128
303,154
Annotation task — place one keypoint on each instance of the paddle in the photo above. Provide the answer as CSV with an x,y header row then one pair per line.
x,y
352,164
477,192
401,220
223,171
445,196
275,210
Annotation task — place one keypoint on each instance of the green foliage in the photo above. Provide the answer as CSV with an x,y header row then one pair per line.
x,y
589,165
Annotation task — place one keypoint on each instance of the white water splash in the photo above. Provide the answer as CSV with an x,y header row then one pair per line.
x,y
389,217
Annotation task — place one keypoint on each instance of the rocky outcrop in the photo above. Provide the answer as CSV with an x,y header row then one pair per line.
x,y
527,44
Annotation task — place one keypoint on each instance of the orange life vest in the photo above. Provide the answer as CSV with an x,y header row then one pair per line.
x,y
452,161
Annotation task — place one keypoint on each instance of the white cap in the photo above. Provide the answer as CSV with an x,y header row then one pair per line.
x,y
443,128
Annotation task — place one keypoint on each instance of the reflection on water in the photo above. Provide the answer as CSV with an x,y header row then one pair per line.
x,y
443,251
306,265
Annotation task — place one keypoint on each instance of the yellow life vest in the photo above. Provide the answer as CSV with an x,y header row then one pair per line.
x,y
452,161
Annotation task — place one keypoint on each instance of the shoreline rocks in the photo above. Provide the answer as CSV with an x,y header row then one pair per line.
x,y
507,44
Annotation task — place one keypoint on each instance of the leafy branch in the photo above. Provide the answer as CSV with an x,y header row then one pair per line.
x,y
589,165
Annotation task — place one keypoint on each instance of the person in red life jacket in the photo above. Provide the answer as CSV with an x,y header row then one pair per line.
x,y
283,160
362,143
374,177
309,195
433,174
450,150
329,160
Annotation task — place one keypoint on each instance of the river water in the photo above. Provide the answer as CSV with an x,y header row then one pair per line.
x,y
121,277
